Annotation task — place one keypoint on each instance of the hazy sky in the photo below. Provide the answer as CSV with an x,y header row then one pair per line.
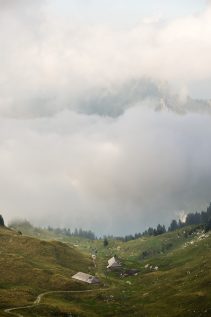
x,y
123,12
82,139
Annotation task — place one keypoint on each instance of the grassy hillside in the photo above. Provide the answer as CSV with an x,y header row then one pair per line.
x,y
29,266
180,286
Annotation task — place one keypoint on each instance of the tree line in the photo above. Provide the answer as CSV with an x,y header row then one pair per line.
x,y
198,218
26,226
76,233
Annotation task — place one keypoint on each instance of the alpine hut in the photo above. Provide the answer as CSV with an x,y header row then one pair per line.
x,y
83,277
113,264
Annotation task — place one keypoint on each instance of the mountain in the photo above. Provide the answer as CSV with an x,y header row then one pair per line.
x,y
113,100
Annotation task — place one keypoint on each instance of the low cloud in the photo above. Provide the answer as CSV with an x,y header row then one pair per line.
x,y
49,64
80,141
113,175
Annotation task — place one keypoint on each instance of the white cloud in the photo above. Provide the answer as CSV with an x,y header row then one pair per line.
x,y
114,175
48,64
61,167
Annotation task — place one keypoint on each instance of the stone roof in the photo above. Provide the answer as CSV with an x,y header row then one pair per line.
x,y
80,276
113,263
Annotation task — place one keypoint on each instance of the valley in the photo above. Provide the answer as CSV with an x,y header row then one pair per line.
x,y
173,279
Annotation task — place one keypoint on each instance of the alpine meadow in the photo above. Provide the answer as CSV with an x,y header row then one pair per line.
x,y
105,146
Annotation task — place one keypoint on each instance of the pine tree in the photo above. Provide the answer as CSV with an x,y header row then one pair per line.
x,y
1,221
105,242
173,225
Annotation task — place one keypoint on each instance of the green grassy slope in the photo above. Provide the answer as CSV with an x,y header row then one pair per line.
x,y
29,266
181,286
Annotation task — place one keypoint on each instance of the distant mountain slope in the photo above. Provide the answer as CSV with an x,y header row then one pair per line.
x,y
114,100
151,247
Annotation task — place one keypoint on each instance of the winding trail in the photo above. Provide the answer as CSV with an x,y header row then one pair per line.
x,y
39,299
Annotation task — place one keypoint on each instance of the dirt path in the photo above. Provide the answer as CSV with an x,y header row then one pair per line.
x,y
39,298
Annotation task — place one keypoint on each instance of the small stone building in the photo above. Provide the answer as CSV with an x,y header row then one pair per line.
x,y
83,277
113,264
